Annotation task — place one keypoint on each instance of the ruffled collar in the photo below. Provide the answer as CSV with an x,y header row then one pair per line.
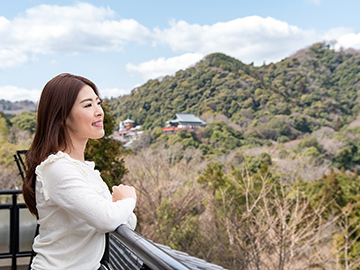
x,y
53,157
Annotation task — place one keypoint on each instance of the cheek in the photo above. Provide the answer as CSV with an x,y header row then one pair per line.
x,y
77,121
85,118
84,121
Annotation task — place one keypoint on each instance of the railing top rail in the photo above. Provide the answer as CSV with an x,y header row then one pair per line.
x,y
10,191
150,254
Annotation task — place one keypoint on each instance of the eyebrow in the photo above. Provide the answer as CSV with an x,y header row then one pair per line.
x,y
89,99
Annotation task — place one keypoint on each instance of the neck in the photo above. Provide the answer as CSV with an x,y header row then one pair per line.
x,y
76,151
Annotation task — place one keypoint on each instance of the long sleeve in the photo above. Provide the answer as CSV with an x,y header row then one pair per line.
x,y
82,193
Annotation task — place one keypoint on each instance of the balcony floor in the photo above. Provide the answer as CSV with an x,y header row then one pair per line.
x,y
22,264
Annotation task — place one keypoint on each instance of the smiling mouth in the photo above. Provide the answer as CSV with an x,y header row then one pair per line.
x,y
98,124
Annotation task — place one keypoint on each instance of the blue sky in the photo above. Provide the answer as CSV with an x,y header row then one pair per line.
x,y
121,44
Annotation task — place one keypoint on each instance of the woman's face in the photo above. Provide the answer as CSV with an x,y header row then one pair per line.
x,y
86,117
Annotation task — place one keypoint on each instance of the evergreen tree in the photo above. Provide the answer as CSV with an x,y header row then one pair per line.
x,y
338,124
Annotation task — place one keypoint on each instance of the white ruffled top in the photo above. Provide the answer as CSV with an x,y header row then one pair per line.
x,y
75,210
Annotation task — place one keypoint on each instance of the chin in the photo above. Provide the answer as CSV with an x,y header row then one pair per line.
x,y
98,136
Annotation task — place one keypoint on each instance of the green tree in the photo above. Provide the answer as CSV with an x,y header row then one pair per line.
x,y
344,157
301,124
4,131
280,125
307,142
157,133
25,121
212,177
339,124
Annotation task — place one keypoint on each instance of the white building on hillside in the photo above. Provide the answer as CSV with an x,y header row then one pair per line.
x,y
183,120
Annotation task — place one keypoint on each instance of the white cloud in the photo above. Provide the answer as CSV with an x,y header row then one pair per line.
x,y
112,92
249,39
336,33
82,27
349,40
13,93
161,66
51,29
12,57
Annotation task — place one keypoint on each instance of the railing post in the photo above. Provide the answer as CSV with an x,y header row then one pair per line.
x,y
105,259
14,231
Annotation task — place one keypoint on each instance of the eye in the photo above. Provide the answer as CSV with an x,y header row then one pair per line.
x,y
88,105
99,103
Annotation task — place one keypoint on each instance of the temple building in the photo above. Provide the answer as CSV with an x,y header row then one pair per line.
x,y
127,128
182,121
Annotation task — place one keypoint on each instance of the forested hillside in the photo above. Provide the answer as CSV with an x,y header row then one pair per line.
x,y
315,90
315,87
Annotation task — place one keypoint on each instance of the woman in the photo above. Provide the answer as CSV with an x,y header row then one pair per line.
x,y
73,205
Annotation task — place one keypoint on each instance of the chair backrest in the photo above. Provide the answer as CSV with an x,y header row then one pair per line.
x,y
20,162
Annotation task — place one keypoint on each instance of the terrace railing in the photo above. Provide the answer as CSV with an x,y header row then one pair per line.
x,y
130,251
127,250
17,227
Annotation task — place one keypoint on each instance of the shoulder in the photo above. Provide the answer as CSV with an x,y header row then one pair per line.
x,y
55,170
59,163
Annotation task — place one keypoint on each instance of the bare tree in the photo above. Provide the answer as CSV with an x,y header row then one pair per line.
x,y
347,238
272,226
161,176
242,222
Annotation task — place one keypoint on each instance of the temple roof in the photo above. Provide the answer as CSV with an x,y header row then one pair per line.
x,y
188,117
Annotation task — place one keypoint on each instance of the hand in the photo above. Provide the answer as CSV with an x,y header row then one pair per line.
x,y
122,192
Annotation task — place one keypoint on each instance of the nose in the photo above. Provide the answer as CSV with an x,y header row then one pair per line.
x,y
99,111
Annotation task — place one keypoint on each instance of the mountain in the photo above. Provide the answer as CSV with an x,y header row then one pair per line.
x,y
317,84
9,107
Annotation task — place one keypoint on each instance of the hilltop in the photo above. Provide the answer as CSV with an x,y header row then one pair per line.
x,y
8,107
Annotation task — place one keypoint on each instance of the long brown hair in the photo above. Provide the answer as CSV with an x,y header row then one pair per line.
x,y
56,102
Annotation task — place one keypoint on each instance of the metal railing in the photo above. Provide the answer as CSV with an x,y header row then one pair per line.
x,y
125,249
14,239
145,254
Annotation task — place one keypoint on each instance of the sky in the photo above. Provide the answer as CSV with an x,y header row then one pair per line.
x,y
120,45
